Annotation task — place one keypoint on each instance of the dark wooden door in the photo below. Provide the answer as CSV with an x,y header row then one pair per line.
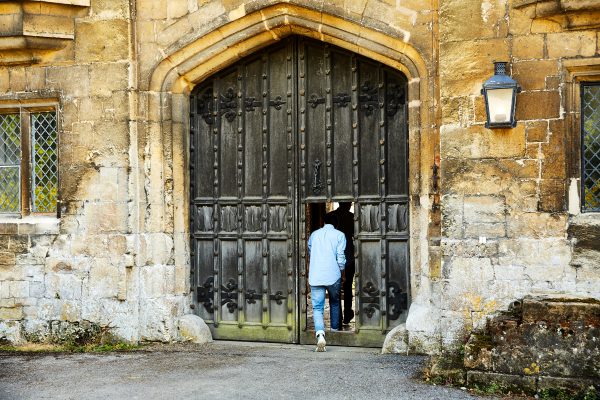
x,y
301,122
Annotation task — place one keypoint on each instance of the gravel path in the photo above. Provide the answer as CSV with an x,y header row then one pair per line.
x,y
221,370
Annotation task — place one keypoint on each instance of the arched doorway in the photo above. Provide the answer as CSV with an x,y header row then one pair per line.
x,y
274,139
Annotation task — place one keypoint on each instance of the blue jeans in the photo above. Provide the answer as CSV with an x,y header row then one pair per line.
x,y
318,303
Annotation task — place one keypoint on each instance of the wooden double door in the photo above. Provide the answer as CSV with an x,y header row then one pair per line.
x,y
298,123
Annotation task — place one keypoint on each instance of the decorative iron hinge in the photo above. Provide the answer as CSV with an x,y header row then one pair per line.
x,y
370,300
228,105
397,301
341,99
229,295
206,294
277,103
317,182
278,297
204,107
250,103
251,296
394,99
368,98
315,100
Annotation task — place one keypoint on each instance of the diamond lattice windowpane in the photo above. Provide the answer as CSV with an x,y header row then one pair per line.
x,y
10,139
10,190
44,160
10,163
590,109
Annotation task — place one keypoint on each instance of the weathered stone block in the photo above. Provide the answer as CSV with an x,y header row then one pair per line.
x,y
110,9
468,58
153,10
193,329
528,47
63,286
538,105
486,20
571,44
532,75
456,110
463,269
73,81
452,216
396,341
554,153
488,209
478,352
108,78
479,142
19,289
536,225
505,382
536,131
12,313
102,40
104,279
552,195
7,258
535,252
577,388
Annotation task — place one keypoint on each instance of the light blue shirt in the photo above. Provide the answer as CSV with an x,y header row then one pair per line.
x,y
326,248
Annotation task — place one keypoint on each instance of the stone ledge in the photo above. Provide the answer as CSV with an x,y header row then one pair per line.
x,y
571,14
505,382
30,29
31,225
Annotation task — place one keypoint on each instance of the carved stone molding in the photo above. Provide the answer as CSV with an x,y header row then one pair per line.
x,y
28,30
571,14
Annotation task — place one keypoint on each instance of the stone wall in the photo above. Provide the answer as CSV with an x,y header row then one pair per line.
x,y
539,345
504,203
95,263
119,253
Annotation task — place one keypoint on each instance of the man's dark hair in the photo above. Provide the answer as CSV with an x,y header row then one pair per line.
x,y
345,205
331,218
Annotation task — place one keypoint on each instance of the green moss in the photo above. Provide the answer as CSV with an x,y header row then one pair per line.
x,y
562,394
490,389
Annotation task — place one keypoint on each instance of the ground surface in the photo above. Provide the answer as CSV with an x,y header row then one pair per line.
x,y
221,370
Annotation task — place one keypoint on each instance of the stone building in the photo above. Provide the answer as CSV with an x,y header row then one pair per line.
x,y
160,158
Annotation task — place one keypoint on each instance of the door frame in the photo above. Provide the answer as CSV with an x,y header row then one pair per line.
x,y
166,92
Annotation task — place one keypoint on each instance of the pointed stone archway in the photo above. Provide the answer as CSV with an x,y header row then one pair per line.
x,y
189,63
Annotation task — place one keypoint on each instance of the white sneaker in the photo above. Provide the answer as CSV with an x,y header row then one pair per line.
x,y
321,342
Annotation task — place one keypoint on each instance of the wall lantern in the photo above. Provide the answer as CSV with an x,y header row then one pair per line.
x,y
500,94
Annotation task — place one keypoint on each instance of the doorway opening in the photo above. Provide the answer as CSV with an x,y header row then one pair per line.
x,y
275,139
315,213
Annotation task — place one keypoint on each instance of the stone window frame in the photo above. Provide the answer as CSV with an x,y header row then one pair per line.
x,y
26,221
576,72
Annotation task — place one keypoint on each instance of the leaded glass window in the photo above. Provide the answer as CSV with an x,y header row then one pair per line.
x,y
28,162
10,163
590,131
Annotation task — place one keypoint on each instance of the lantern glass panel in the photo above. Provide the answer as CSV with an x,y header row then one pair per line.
x,y
500,105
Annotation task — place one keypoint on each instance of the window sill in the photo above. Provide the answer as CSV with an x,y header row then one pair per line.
x,y
30,225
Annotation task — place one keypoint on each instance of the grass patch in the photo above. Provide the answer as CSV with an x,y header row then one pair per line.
x,y
75,337
70,348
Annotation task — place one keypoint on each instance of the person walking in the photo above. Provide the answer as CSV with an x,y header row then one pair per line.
x,y
326,247
346,226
